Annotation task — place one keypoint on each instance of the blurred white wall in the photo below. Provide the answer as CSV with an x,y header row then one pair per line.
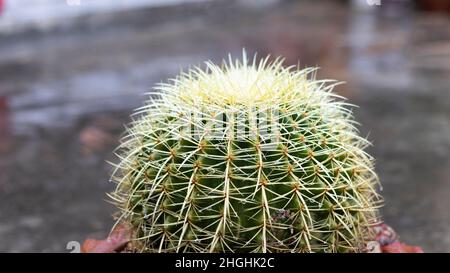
x,y
41,13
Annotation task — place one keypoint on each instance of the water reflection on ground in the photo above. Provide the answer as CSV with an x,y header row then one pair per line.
x,y
66,93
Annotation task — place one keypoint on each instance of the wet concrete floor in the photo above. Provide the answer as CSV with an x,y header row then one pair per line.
x,y
65,93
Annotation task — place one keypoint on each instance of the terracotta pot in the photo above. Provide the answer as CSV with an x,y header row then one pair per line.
x,y
386,241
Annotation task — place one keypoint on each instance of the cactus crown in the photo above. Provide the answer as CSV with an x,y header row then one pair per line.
x,y
246,157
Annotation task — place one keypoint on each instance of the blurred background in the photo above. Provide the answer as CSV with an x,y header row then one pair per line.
x,y
71,71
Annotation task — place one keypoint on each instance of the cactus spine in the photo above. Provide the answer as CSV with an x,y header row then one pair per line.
x,y
246,157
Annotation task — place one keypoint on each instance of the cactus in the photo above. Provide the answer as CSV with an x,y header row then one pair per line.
x,y
249,156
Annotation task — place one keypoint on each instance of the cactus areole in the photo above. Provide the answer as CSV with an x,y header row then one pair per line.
x,y
248,156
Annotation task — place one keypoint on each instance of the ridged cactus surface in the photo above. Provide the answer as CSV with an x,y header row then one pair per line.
x,y
246,157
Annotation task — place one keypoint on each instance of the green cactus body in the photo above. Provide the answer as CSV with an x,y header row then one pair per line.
x,y
246,157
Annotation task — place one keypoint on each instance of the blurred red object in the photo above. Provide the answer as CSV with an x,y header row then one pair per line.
x,y
398,247
434,5
388,241
116,242
1,6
